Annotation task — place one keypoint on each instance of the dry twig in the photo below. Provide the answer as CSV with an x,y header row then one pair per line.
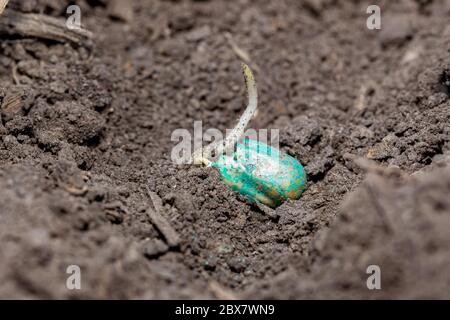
x,y
13,23
3,4
170,235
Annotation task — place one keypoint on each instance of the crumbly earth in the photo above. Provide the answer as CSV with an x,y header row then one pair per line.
x,y
85,134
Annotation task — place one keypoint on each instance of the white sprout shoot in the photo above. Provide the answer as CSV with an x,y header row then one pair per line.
x,y
204,155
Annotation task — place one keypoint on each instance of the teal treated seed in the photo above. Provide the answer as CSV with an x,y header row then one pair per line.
x,y
262,173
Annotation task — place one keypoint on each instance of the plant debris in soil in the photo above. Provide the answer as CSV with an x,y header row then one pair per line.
x,y
85,140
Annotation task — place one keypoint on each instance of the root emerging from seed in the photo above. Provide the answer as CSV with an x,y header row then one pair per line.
x,y
204,155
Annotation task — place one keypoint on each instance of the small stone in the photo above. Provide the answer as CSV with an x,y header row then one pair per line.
x,y
121,10
237,264
396,29
154,248
198,34
211,262
225,249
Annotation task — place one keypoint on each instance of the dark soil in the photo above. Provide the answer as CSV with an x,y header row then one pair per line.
x,y
85,133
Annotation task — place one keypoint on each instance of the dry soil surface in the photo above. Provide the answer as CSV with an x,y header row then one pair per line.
x,y
85,135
